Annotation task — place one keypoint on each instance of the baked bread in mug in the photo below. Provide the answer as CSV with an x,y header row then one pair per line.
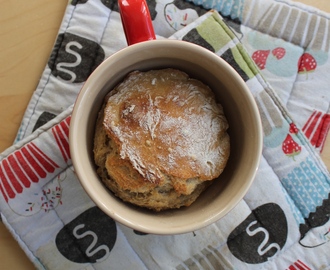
x,y
161,139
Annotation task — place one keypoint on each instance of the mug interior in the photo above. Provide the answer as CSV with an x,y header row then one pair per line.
x,y
240,110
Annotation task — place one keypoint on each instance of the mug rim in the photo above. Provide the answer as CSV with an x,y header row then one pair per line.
x,y
93,189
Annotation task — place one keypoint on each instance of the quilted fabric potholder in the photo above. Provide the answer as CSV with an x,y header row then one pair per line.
x,y
283,221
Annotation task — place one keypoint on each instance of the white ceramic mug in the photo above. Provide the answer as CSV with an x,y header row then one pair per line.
x,y
244,129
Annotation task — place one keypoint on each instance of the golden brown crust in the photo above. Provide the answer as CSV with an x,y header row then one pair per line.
x,y
160,139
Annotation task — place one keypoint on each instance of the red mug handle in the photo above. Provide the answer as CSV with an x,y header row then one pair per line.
x,y
136,21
